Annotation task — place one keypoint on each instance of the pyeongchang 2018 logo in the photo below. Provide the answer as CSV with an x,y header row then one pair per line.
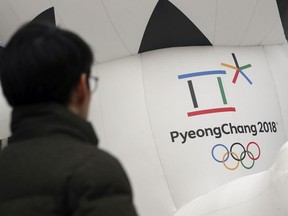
x,y
238,70
238,153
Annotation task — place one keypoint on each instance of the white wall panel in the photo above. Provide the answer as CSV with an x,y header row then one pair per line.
x,y
272,38
277,57
89,19
9,21
124,129
29,9
127,15
232,19
265,18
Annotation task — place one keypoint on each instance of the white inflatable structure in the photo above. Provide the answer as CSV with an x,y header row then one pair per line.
x,y
264,193
198,128
140,112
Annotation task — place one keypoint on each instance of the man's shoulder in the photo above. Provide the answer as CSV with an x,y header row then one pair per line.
x,y
61,151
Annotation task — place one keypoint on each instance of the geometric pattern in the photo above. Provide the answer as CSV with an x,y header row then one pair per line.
x,y
169,27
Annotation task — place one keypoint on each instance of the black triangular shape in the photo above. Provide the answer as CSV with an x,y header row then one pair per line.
x,y
47,16
1,49
169,27
283,10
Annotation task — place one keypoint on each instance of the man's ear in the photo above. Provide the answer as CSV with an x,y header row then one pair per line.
x,y
80,92
80,97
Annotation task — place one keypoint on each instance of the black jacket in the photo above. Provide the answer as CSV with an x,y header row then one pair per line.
x,y
52,166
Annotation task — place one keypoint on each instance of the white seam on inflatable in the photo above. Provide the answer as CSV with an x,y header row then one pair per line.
x,y
117,33
249,24
215,23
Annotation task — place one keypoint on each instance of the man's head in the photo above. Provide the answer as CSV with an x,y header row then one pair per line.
x,y
42,63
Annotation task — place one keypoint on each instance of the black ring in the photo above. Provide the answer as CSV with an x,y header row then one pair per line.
x,y
240,159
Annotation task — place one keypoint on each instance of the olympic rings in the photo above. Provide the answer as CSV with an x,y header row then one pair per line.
x,y
235,156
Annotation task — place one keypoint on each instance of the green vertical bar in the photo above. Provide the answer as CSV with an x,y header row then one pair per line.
x,y
222,90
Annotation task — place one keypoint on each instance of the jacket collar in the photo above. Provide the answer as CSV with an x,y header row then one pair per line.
x,y
31,121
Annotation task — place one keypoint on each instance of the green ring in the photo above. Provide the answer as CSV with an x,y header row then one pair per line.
x,y
252,160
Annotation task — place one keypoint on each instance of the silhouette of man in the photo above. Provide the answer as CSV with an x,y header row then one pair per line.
x,y
52,165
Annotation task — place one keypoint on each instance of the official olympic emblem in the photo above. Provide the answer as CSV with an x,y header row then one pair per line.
x,y
237,157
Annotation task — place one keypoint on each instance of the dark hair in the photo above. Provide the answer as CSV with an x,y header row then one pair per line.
x,y
42,63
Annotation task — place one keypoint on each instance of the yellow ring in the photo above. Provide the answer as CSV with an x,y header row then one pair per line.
x,y
229,168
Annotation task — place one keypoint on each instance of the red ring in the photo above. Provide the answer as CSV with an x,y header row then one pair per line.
x,y
258,149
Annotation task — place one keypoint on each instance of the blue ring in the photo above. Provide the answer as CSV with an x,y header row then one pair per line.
x,y
214,155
